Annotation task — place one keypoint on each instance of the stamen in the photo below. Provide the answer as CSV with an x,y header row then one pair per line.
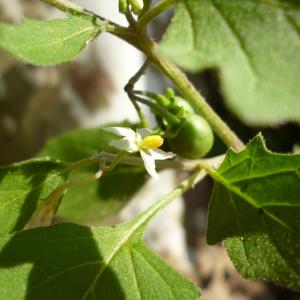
x,y
151,142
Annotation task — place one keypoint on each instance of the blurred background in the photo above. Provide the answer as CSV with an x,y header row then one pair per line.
x,y
39,103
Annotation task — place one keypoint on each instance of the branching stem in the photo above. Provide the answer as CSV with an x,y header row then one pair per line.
x,y
172,119
129,90
191,94
147,5
150,49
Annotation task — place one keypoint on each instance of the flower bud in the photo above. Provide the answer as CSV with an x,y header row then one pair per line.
x,y
136,5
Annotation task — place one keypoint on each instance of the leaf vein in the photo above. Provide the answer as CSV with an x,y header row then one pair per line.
x,y
264,175
237,37
193,25
157,272
135,276
239,225
244,196
62,41
18,197
51,277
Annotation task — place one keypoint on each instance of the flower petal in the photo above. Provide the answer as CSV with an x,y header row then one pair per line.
x,y
124,144
149,163
143,132
159,154
122,131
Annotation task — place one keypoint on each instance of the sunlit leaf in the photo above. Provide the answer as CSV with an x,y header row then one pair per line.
x,y
253,44
255,207
49,42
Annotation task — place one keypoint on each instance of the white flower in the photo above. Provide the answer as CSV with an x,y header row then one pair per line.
x,y
141,141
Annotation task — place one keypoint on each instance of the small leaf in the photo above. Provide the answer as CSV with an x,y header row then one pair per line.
x,y
49,42
255,206
23,186
91,203
68,261
254,44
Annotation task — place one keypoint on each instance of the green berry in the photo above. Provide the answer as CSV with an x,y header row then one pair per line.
x,y
193,139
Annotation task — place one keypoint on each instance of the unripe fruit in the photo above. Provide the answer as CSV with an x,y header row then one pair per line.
x,y
179,105
194,138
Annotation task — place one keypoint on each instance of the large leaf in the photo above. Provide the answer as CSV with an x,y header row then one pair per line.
x,y
49,42
23,186
255,206
255,44
94,201
68,261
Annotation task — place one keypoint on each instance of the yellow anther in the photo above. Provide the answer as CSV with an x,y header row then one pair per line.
x,y
151,142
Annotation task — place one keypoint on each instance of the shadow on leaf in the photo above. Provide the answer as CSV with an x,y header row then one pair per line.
x,y
58,262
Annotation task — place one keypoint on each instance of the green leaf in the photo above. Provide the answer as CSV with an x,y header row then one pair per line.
x,y
81,143
255,44
255,206
23,186
49,42
90,203
67,261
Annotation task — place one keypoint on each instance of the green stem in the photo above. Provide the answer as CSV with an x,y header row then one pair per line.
x,y
115,162
154,12
178,164
150,49
160,99
74,9
129,88
144,121
65,6
145,217
130,19
190,93
170,118
186,88
135,78
147,5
